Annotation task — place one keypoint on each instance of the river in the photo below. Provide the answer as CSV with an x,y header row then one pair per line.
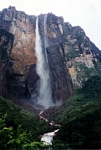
x,y
47,138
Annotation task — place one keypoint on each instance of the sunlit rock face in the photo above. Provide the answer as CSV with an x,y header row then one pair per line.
x,y
83,58
6,43
22,56
23,76
72,57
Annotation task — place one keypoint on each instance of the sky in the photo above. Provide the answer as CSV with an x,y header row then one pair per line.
x,y
85,13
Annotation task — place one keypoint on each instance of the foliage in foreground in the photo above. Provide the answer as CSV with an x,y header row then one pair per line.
x,y
81,125
19,129
81,128
16,139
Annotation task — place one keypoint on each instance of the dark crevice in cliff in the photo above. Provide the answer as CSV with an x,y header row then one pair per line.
x,y
6,44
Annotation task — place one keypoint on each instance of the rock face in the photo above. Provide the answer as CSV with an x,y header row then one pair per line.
x,y
22,57
71,55
83,58
6,43
23,77
62,87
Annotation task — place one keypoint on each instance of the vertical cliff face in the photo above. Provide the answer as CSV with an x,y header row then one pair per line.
x,y
23,77
62,87
22,58
72,57
81,57
6,43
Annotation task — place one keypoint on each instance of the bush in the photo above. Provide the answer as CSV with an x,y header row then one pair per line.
x,y
92,87
18,128
82,126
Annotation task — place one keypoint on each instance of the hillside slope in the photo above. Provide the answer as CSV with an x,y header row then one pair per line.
x,y
19,129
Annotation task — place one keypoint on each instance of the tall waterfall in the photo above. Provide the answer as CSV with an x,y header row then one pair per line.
x,y
42,69
45,36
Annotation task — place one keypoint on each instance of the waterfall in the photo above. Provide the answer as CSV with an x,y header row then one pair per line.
x,y
45,36
42,69
47,138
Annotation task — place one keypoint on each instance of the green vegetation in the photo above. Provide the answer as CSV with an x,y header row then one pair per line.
x,y
18,128
84,73
81,122
92,88
80,119
72,54
16,139
81,128
87,72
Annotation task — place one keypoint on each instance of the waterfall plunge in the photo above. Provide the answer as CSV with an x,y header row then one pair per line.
x,y
42,68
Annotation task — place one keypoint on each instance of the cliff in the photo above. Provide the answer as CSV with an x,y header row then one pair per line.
x,y
71,55
6,43
22,58
81,57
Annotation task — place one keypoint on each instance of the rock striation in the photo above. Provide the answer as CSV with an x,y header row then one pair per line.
x,y
71,55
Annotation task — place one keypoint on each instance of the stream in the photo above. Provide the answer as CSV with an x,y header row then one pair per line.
x,y
44,85
47,138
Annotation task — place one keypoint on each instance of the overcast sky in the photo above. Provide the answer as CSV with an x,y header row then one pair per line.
x,y
85,13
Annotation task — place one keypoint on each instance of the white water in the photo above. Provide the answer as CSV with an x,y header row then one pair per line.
x,y
42,69
47,138
45,36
